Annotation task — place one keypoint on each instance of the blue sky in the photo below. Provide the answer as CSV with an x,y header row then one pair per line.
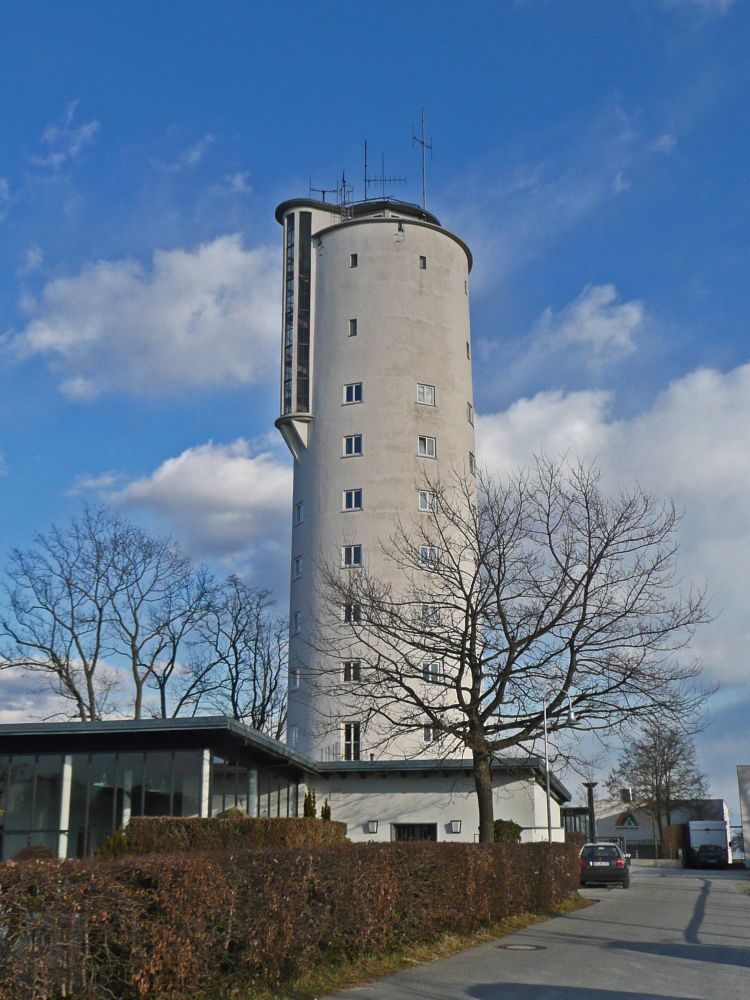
x,y
594,155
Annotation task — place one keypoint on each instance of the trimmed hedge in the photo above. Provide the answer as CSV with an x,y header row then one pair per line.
x,y
185,927
169,835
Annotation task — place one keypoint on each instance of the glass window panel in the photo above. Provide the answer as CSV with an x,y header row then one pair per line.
x,y
78,799
102,799
47,797
4,764
187,783
20,793
157,785
130,787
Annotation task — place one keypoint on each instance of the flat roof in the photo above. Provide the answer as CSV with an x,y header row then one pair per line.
x,y
227,735
354,209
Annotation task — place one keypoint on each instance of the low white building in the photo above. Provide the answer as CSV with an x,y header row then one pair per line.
x,y
68,786
636,829
743,780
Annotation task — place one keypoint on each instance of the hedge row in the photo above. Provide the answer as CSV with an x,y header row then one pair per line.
x,y
215,925
167,835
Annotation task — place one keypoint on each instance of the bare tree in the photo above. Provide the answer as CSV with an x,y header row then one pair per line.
x,y
240,661
55,617
662,770
537,590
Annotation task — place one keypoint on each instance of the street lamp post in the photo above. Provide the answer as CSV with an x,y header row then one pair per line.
x,y
571,718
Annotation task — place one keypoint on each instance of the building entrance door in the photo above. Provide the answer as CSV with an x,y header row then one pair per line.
x,y
414,831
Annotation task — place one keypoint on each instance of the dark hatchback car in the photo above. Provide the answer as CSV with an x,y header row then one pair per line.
x,y
602,863
710,856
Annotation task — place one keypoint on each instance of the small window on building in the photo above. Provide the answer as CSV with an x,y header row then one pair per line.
x,y
299,513
431,734
470,413
352,328
428,556
466,288
425,394
472,464
426,501
353,392
353,260
352,499
351,741
297,622
352,670
351,555
426,447
294,679
298,567
429,613
423,263
353,614
293,736
468,350
353,444
432,671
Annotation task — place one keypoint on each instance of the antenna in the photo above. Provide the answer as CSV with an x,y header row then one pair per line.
x,y
382,180
323,191
344,190
425,146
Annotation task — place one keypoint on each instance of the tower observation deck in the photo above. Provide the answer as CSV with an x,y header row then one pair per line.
x,y
376,397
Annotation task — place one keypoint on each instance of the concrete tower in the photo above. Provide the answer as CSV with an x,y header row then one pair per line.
x,y
376,393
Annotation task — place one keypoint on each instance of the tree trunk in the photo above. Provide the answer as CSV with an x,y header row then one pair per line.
x,y
483,785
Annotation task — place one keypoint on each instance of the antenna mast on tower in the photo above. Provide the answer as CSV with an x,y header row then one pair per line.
x,y
425,146
382,180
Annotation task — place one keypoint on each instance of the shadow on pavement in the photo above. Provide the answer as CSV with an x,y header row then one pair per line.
x,y
530,991
715,954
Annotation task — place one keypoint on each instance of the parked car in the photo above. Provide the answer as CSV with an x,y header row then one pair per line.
x,y
604,863
710,856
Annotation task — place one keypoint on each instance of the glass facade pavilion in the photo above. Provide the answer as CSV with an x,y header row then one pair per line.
x,y
70,785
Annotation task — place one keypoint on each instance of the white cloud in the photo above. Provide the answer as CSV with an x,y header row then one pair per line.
x,y
4,189
720,7
224,502
65,141
84,482
664,143
192,155
195,319
595,324
620,183
691,445
32,260
3,465
236,183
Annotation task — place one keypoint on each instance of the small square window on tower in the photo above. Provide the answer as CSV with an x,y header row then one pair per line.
x,y
351,740
353,392
351,555
353,260
297,622
431,734
353,445
352,499
298,567
423,263
352,328
470,413
293,736
426,447
428,556
294,679
352,670
425,394
299,513
426,501
432,671
472,464
353,614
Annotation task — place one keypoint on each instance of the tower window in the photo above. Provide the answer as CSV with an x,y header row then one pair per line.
x,y
353,260
351,740
353,392
426,447
468,350
423,263
353,614
426,501
426,394
294,679
353,444
466,288
352,328
432,671
428,556
293,736
298,567
429,613
470,413
352,499
472,464
299,513
431,734
351,555
297,622
352,670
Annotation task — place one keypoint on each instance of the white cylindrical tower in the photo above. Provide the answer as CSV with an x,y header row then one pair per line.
x,y
376,395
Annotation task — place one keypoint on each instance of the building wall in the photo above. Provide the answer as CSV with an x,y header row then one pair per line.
x,y
432,798
412,327
743,780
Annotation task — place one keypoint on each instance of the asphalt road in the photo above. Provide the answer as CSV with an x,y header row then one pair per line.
x,y
672,934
